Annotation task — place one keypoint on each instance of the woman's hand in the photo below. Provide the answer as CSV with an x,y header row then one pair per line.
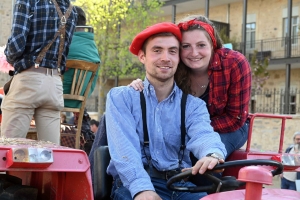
x,y
137,84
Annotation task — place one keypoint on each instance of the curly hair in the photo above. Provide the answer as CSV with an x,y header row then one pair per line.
x,y
182,75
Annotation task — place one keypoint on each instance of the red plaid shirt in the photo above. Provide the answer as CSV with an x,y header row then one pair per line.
x,y
229,90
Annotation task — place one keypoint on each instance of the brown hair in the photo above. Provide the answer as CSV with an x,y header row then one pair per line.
x,y
182,75
81,18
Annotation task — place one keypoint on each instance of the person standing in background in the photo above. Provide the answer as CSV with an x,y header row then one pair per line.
x,y
288,179
37,48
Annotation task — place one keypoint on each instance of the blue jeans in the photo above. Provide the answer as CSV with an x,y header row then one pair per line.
x,y
119,192
236,139
286,184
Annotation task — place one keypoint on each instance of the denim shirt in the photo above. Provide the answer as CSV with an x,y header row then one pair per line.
x,y
125,135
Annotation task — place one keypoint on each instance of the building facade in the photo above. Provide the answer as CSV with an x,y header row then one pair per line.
x,y
6,12
266,32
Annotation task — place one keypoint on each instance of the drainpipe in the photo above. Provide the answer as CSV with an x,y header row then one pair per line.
x,y
228,13
288,55
174,13
12,11
244,27
207,8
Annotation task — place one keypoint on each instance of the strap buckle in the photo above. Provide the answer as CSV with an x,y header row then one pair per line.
x,y
171,173
47,71
63,20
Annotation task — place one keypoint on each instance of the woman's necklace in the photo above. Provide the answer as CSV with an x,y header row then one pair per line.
x,y
201,86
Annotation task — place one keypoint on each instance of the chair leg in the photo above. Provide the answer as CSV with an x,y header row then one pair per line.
x,y
77,139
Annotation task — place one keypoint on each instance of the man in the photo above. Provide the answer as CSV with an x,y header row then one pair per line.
x,y
83,47
288,179
36,87
94,125
157,47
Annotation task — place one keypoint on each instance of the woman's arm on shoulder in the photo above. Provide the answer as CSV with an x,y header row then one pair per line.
x,y
137,84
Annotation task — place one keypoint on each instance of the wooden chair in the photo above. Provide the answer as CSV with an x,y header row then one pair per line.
x,y
78,92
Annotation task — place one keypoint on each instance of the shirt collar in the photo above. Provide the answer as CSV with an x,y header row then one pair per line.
x,y
215,63
148,88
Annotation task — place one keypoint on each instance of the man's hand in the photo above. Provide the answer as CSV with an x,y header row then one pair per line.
x,y
137,84
147,195
206,163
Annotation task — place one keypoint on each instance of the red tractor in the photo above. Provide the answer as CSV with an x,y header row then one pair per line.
x,y
41,170
246,171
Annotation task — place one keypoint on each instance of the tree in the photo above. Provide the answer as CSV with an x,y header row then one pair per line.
x,y
115,24
259,67
226,39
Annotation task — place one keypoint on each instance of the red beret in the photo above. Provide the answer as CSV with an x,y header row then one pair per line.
x,y
164,27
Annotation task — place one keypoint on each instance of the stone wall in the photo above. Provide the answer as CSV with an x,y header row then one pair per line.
x,y
5,20
277,79
5,27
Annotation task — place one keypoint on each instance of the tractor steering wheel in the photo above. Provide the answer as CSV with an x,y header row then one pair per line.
x,y
217,183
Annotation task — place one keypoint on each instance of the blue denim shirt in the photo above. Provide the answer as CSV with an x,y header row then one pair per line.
x,y
125,135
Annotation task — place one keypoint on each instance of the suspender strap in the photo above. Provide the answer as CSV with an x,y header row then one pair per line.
x,y
144,117
182,127
183,130
61,31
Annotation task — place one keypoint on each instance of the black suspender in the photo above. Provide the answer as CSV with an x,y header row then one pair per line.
x,y
144,117
182,126
183,131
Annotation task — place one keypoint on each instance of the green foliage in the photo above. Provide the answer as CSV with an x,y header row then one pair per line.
x,y
226,39
115,24
259,71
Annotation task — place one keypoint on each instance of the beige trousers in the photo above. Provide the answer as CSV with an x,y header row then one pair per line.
x,y
33,94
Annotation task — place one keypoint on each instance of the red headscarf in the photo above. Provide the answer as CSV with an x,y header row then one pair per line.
x,y
208,28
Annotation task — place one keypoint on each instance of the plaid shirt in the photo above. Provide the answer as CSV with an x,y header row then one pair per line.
x,y
229,90
34,26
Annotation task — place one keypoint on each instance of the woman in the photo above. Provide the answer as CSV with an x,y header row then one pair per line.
x,y
219,76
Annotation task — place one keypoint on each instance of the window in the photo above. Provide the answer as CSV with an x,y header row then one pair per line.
x,y
292,107
295,24
250,35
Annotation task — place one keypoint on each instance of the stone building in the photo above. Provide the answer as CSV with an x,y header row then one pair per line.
x,y
6,12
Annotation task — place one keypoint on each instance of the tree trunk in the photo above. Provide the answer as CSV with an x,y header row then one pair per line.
x,y
101,100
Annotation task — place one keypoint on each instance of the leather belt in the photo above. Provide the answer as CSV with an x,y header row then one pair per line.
x,y
43,70
154,173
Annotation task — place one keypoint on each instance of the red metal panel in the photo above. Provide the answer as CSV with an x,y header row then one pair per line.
x,y
67,178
